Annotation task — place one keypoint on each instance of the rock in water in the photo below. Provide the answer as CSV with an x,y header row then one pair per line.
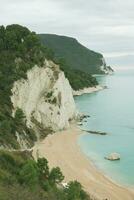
x,y
113,157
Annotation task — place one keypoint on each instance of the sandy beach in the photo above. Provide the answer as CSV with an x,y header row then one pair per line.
x,y
88,90
61,149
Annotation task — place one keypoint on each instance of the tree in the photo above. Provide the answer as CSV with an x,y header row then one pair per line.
x,y
43,168
11,40
29,174
5,127
2,32
19,116
74,191
2,37
31,41
56,175
48,53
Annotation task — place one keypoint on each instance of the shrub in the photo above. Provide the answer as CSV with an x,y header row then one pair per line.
x,y
74,191
56,175
29,174
43,168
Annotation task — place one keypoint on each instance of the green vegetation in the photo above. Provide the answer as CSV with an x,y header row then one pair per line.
x,y
77,78
21,177
26,179
77,56
77,62
80,80
49,94
20,50
75,191
56,175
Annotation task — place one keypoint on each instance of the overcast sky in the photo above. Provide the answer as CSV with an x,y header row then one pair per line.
x,y
106,26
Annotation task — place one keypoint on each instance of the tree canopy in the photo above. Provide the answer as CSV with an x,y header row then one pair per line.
x,y
24,178
20,50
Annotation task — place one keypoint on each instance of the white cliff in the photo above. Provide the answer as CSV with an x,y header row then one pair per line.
x,y
106,69
45,97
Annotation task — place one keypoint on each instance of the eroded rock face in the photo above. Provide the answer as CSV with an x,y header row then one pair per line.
x,y
113,157
106,69
45,97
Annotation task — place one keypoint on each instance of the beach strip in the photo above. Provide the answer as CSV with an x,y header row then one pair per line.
x,y
62,149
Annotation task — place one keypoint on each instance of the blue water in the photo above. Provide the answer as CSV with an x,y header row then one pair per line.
x,y
111,111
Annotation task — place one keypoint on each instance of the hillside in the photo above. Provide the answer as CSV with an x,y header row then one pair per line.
x,y
23,178
20,50
32,90
76,55
33,104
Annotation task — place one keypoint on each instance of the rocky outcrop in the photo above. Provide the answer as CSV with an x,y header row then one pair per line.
x,y
45,97
95,132
113,157
106,69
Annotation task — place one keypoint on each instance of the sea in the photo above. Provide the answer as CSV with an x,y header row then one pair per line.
x,y
112,111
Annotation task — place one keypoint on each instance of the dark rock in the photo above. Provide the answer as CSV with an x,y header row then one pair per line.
x,y
95,132
83,116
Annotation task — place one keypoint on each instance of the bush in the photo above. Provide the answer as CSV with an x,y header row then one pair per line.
x,y
43,168
74,191
56,175
29,174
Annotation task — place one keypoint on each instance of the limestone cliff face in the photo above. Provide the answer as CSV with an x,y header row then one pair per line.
x,y
106,69
45,97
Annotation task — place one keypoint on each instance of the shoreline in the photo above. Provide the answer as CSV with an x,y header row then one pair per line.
x,y
62,149
88,90
129,187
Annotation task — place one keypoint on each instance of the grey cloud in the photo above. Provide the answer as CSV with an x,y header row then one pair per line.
x,y
106,26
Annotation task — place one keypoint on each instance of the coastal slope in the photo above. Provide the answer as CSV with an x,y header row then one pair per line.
x,y
75,55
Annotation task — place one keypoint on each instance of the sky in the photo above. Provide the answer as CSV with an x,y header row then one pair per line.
x,y
106,26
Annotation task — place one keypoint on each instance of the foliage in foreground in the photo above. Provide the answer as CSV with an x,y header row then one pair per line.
x,y
26,179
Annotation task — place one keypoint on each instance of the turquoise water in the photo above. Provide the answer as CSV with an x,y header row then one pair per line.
x,y
111,111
